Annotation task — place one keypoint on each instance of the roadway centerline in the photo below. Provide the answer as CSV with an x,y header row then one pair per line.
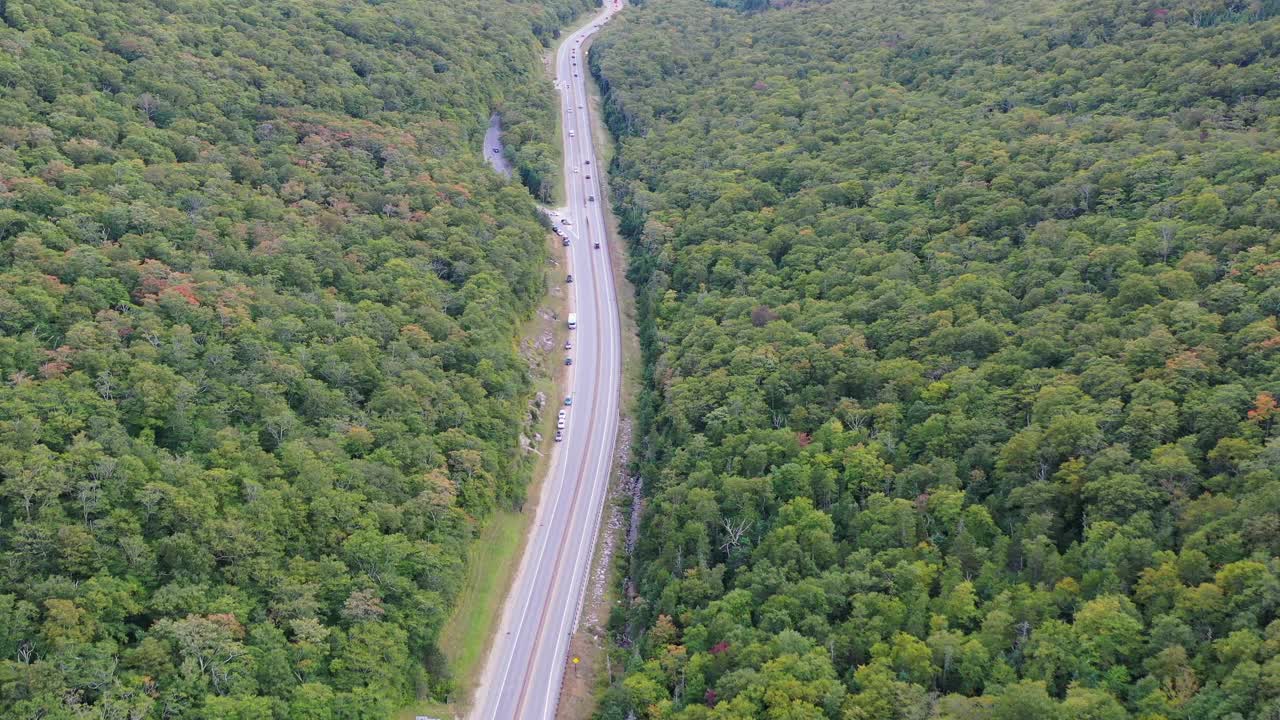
x,y
583,136
527,653
577,483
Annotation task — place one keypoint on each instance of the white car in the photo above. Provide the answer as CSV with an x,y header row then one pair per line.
x,y
575,169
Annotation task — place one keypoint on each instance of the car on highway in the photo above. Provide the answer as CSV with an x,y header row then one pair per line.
x,y
526,665
591,198
597,244
564,240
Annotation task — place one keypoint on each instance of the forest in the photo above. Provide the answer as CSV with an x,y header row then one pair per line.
x,y
259,386
961,359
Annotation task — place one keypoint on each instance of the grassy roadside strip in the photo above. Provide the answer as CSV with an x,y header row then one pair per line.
x,y
584,681
495,554
549,71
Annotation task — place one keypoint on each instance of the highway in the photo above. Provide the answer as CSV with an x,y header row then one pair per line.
x,y
527,659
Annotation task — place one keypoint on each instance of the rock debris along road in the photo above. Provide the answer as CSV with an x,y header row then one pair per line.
x,y
527,660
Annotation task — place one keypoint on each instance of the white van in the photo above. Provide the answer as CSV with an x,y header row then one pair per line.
x,y
573,321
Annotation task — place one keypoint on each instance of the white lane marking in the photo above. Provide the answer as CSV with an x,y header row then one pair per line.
x,y
544,532
601,469
544,536
612,343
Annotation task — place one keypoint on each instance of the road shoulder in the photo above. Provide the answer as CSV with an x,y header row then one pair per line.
x,y
592,673
494,559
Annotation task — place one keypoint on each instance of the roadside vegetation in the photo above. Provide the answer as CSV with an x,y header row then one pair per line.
x,y
494,557
259,297
960,325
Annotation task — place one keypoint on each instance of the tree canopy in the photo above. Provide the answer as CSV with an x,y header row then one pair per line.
x,y
258,301
960,324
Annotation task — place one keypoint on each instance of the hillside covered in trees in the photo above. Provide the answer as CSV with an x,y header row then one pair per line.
x,y
961,333
258,300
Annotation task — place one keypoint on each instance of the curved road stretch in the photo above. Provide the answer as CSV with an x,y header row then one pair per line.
x,y
521,677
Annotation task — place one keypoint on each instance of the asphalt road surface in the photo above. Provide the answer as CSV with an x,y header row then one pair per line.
x,y
493,146
527,660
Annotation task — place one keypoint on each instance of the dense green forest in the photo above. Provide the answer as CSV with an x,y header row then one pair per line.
x,y
258,378
960,323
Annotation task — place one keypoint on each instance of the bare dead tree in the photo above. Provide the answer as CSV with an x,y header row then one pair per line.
x,y
733,534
